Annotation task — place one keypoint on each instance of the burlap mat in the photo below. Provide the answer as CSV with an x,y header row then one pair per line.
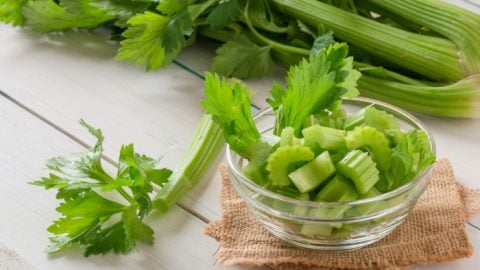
x,y
434,232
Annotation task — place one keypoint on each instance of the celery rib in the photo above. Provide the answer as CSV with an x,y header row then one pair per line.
x,y
359,167
461,99
388,42
279,162
201,153
458,25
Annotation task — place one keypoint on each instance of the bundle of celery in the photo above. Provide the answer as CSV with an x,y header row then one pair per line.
x,y
91,216
418,54
318,152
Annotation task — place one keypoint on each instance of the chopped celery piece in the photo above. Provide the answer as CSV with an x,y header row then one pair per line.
x,y
289,207
280,162
324,137
370,116
287,137
316,229
311,175
339,189
255,169
270,139
380,120
375,141
335,119
336,156
359,167
385,182
373,207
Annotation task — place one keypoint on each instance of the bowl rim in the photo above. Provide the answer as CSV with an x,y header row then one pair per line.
x,y
404,115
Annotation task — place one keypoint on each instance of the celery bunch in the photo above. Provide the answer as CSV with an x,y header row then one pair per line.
x,y
418,54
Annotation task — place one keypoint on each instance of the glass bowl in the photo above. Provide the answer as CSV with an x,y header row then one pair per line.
x,y
330,225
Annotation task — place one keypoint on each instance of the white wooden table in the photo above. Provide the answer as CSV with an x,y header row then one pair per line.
x,y
48,83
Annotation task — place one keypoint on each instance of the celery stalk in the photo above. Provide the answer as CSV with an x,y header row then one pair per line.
x,y
201,153
460,99
458,25
415,52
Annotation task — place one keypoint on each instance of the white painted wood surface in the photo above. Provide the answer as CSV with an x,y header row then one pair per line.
x,y
61,79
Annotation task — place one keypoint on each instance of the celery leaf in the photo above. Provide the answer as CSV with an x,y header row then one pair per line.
x,y
242,58
228,101
88,218
11,11
154,40
224,13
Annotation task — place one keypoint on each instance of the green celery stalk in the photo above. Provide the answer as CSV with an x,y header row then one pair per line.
x,y
197,159
457,24
419,53
460,99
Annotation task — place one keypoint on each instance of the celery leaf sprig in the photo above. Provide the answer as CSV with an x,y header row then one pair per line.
x,y
88,218
103,212
313,86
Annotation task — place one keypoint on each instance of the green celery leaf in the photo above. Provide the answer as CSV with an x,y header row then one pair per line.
x,y
242,58
123,9
11,11
89,205
112,238
314,85
48,16
262,17
225,12
228,101
82,167
171,7
159,176
72,226
323,41
135,229
154,40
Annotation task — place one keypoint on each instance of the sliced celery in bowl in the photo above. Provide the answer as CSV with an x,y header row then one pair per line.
x,y
326,203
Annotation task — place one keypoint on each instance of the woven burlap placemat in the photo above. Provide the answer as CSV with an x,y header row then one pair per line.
x,y
434,232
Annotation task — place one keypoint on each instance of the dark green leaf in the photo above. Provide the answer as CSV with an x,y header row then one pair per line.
x,y
224,13
242,58
228,101
135,229
11,11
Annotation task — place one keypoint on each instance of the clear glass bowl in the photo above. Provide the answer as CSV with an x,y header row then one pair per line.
x,y
317,225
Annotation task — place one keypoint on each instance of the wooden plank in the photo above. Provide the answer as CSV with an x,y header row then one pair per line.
x,y
27,210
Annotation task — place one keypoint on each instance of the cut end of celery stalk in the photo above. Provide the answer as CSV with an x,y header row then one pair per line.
x,y
311,175
359,167
197,159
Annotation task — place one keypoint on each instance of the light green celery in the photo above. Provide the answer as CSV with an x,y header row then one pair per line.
x,y
370,116
460,99
279,162
196,161
457,24
375,141
287,137
360,168
324,137
412,51
373,207
338,189
311,175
